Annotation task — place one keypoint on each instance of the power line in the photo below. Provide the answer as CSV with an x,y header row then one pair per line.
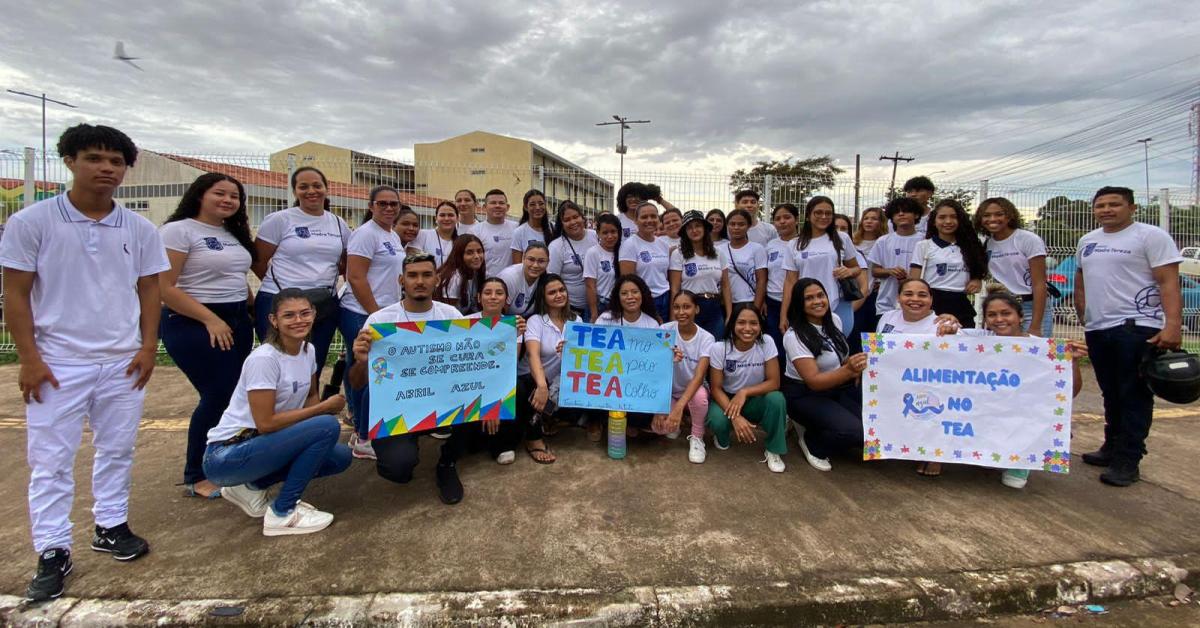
x,y
895,159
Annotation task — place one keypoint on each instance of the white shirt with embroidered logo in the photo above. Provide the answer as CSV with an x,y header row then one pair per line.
x,y
742,368
382,247
214,270
1118,275
307,249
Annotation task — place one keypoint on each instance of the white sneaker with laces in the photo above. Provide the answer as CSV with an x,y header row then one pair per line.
x,y
506,457
820,464
1015,478
304,519
252,502
696,451
775,463
361,449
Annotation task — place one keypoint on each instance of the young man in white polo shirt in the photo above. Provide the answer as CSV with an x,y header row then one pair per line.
x,y
1127,294
397,456
82,304
496,232
760,232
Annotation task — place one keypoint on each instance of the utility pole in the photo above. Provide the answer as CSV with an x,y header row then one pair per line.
x,y
857,185
895,159
1195,129
1146,144
44,99
624,123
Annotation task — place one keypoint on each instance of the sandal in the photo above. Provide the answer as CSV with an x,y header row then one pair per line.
x,y
533,451
929,469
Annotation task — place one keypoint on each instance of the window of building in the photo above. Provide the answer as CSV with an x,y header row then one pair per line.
x,y
477,150
477,172
137,206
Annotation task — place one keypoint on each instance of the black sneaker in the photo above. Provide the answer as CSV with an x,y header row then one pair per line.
x,y
1098,458
53,567
1120,474
119,541
450,489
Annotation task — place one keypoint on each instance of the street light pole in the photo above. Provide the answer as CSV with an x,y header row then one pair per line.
x,y
624,123
1146,145
44,99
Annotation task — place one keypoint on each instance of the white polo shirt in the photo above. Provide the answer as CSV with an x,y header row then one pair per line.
x,y
742,368
267,368
497,243
382,247
891,251
644,321
1008,260
743,263
941,264
540,328
699,274
652,258
777,251
829,359
429,241
598,266
307,249
566,260
214,270
693,351
85,301
520,292
762,232
1118,275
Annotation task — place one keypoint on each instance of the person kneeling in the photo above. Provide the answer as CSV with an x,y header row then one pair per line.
x,y
275,429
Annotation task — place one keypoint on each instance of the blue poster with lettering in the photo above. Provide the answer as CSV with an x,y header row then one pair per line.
x,y
616,368
428,374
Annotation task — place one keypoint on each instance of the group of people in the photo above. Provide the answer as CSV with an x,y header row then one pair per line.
x,y
768,319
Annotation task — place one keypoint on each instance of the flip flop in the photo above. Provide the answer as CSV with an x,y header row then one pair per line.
x,y
534,450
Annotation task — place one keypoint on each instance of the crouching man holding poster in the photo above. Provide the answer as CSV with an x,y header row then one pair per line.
x,y
426,370
954,399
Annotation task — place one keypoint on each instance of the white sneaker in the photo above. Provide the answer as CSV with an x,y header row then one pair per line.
x,y
304,519
820,464
1015,478
696,453
361,449
252,502
775,463
506,457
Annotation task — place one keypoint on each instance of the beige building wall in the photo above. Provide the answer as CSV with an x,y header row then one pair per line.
x,y
331,160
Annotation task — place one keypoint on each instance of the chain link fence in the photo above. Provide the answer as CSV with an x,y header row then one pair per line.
x,y
153,188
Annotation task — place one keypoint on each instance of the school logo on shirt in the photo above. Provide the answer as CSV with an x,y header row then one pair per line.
x,y
689,269
731,366
520,302
803,254
898,251
887,328
214,244
1087,250
496,238
575,259
626,232
774,255
991,254
439,251
941,269
302,232
1149,302
606,266
295,386
391,249
645,257
1028,278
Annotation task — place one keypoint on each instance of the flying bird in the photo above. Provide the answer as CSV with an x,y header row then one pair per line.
x,y
119,54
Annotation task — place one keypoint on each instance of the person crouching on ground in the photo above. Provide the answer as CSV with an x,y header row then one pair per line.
x,y
275,429
691,367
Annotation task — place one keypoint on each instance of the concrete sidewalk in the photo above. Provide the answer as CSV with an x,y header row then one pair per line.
x,y
626,542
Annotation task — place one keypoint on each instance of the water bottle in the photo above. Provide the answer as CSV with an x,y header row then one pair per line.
x,y
616,434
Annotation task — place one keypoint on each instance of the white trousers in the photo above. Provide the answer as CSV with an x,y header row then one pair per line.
x,y
113,407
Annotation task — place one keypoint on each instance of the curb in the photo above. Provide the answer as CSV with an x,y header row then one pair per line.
x,y
859,600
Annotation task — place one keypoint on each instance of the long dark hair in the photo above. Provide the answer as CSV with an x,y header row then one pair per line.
x,y
688,250
371,200
609,219
806,228
973,252
483,284
723,234
325,182
800,325
548,232
287,294
558,217
454,265
737,310
238,225
1010,212
614,301
1007,298
539,296
738,213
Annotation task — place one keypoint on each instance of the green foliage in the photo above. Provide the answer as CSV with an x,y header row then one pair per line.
x,y
1061,222
792,181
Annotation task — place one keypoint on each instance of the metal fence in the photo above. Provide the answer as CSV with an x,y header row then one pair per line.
x,y
1059,214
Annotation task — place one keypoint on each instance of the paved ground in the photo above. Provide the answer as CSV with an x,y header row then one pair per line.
x,y
590,522
1157,611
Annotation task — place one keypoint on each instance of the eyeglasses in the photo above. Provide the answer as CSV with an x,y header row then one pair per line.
x,y
387,204
302,315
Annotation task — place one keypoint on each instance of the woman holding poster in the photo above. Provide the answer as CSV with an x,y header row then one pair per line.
x,y
746,361
461,277
687,387
916,315
821,379
499,437
537,373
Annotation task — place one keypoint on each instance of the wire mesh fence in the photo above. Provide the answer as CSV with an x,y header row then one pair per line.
x,y
154,187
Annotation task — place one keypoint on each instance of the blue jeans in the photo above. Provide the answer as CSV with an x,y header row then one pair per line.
x,y
1047,318
349,323
712,316
294,455
321,335
214,373
845,312
662,303
1128,403
864,322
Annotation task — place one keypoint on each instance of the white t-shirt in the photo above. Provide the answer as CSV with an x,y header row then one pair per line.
x,y
653,260
540,328
214,270
1008,259
818,260
777,251
429,241
672,243
629,226
497,243
941,264
795,350
267,368
520,293
698,273
865,247
742,368
598,266
464,228
893,323
395,313
762,233
1118,278
693,350
307,249
743,263
524,235
891,251
84,299
566,260
382,247
644,321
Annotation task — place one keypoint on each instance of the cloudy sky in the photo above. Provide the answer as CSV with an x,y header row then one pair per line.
x,y
965,87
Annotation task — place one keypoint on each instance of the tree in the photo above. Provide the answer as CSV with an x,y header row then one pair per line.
x,y
1061,222
791,181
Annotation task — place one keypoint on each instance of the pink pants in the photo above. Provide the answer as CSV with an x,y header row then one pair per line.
x,y
698,409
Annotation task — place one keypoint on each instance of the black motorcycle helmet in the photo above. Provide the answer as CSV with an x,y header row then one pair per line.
x,y
1172,375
